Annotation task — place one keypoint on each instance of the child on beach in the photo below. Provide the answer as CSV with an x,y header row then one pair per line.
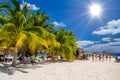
x,y
59,58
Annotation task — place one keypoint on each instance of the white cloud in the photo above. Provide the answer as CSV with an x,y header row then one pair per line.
x,y
112,27
30,6
84,43
103,47
117,39
106,39
114,43
96,42
97,48
61,24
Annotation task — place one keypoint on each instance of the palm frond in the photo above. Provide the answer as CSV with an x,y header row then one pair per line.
x,y
6,6
3,40
9,27
16,4
38,30
3,20
20,40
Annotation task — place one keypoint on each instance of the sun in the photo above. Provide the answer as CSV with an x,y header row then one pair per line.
x,y
95,10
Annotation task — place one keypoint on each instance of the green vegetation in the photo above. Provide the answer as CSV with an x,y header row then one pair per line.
x,y
27,31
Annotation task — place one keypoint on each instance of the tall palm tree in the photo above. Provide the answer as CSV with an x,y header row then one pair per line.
x,y
67,42
18,30
22,29
40,19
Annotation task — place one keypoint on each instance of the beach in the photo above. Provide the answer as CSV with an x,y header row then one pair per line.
x,y
77,70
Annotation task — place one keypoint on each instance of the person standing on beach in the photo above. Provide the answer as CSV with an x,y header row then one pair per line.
x,y
45,56
109,57
38,56
96,57
103,57
106,57
92,57
52,57
99,57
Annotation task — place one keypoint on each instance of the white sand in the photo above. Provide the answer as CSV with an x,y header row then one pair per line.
x,y
78,70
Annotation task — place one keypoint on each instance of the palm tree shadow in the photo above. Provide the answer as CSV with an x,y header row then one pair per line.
x,y
26,66
4,68
21,68
23,71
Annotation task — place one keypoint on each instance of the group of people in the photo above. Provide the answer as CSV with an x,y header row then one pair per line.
x,y
28,58
101,57
32,58
95,57
42,56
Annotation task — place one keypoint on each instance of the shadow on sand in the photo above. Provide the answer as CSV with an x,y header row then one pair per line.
x,y
6,68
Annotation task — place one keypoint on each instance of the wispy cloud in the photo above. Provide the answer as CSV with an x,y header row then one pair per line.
x,y
106,39
97,42
103,47
112,27
114,43
97,48
117,39
60,24
108,47
30,6
84,43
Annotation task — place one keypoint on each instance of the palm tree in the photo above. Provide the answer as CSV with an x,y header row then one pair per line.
x,y
40,19
19,31
22,29
67,42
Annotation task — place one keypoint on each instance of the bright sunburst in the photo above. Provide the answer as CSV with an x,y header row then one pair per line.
x,y
95,10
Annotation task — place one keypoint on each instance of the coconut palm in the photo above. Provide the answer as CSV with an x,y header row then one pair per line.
x,y
67,42
28,31
40,19
19,32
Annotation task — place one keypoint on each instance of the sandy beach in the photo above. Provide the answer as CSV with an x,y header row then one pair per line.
x,y
78,70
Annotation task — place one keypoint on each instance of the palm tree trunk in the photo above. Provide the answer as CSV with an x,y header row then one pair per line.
x,y
4,55
15,57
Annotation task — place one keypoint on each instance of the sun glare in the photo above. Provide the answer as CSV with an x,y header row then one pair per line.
x,y
95,10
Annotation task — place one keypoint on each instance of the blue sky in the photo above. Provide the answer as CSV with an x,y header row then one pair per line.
x,y
92,33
